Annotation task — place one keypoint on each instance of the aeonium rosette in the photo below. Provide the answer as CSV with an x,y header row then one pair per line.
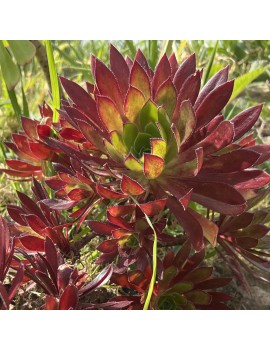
x,y
155,132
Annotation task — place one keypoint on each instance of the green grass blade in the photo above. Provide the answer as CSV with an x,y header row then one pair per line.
x,y
131,47
15,104
243,81
210,64
153,278
166,48
153,52
54,81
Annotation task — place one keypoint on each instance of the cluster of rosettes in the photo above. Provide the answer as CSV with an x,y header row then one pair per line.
x,y
160,138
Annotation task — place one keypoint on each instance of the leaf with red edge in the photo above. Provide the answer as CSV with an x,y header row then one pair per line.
x,y
140,58
21,165
80,97
35,223
72,134
30,127
134,102
119,211
131,186
186,69
31,243
166,96
108,246
153,166
219,197
51,254
245,120
162,73
213,283
218,79
186,122
173,64
100,227
120,69
16,282
107,84
213,103
179,191
57,204
51,303
191,226
140,80
43,130
40,151
108,193
218,139
153,208
69,298
103,277
190,89
198,297
210,229
109,114
234,161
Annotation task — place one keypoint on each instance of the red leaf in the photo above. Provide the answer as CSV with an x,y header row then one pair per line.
x,y
190,89
186,69
188,222
108,193
140,80
69,298
103,277
218,139
120,69
213,103
153,208
108,246
237,160
80,97
21,165
107,85
101,228
32,243
173,64
30,127
58,205
140,58
130,186
162,73
245,120
219,78
119,211
219,197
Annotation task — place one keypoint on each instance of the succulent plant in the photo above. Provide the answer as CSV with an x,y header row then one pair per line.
x,y
156,133
182,283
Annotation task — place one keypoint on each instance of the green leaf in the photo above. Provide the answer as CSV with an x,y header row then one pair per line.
x,y
131,47
129,135
10,71
54,81
23,50
149,113
210,64
166,48
243,81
